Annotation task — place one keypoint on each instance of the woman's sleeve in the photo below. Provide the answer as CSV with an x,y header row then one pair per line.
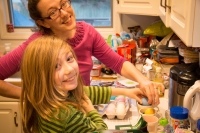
x,y
76,122
98,94
10,63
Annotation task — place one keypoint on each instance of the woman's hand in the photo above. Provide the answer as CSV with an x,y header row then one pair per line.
x,y
150,89
87,105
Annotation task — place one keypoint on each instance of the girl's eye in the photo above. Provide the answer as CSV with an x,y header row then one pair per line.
x,y
57,66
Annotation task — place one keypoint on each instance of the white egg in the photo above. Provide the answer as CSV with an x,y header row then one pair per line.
x,y
120,109
110,111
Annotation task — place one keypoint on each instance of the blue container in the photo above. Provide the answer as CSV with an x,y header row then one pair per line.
x,y
179,117
178,112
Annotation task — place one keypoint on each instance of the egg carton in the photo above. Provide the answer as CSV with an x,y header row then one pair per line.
x,y
115,109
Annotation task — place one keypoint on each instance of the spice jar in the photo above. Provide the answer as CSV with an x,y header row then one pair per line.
x,y
179,117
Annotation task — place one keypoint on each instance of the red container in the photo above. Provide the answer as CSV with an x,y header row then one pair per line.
x,y
128,52
10,28
142,42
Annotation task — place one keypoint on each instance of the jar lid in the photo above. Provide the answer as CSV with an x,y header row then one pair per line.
x,y
198,124
178,112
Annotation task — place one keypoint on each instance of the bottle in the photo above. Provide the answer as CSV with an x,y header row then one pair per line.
x,y
7,48
198,126
159,78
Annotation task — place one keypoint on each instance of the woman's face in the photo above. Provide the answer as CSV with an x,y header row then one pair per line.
x,y
64,22
67,71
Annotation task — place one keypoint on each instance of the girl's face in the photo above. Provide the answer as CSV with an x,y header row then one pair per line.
x,y
64,22
66,74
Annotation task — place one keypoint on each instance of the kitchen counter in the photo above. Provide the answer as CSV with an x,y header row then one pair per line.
x,y
14,81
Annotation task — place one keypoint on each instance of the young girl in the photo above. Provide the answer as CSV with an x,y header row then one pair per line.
x,y
53,97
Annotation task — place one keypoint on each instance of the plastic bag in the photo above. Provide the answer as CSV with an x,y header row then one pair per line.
x,y
157,29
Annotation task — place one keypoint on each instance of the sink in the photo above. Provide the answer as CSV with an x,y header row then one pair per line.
x,y
16,75
15,80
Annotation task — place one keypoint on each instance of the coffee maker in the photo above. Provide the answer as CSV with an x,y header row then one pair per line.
x,y
182,77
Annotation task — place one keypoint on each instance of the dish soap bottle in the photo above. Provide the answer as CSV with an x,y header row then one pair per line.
x,y
159,78
7,48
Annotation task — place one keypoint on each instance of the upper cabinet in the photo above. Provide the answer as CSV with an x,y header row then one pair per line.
x,y
181,16
138,7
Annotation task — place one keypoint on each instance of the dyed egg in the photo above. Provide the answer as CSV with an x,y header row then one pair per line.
x,y
145,101
120,99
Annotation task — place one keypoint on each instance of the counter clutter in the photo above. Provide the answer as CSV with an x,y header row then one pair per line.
x,y
122,113
175,120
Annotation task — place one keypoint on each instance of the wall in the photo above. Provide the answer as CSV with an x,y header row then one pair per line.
x,y
126,21
134,20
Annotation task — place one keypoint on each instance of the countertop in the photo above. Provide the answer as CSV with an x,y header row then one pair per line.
x,y
14,81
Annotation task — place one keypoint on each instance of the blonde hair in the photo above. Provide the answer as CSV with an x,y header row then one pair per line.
x,y
39,94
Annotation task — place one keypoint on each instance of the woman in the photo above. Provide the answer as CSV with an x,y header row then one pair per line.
x,y
58,18
53,98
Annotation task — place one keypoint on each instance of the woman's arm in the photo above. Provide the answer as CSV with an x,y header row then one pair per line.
x,y
9,90
10,63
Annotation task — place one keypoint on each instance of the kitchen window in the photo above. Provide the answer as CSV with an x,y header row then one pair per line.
x,y
99,13
96,12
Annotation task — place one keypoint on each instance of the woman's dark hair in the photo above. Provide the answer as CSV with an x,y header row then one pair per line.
x,y
35,14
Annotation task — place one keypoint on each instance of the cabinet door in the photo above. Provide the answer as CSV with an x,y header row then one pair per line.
x,y
140,7
182,19
10,121
164,11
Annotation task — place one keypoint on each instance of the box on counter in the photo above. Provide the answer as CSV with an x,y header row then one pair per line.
x,y
128,50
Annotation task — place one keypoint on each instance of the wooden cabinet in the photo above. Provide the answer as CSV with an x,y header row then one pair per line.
x,y
138,7
10,121
181,16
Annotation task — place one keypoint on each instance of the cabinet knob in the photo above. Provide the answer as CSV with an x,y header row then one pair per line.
x,y
15,119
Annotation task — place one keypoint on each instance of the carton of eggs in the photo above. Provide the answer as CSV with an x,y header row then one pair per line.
x,y
117,108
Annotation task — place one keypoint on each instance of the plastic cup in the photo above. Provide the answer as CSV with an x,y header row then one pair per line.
x,y
152,123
